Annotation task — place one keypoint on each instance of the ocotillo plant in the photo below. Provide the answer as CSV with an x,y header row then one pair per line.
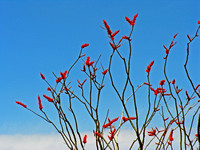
x,y
163,102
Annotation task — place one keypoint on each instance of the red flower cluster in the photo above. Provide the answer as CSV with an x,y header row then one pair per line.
x,y
147,84
162,82
175,35
113,35
166,49
110,122
84,45
180,122
170,136
48,98
63,76
39,103
114,46
158,90
88,63
149,67
173,81
112,134
124,37
151,133
42,76
107,27
85,139
170,46
126,119
84,68
105,71
132,22
96,133
21,104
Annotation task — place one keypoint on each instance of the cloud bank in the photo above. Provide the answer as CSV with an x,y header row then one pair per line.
x,y
55,142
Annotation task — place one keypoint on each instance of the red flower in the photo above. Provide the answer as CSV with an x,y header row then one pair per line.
x,y
112,133
152,133
25,106
166,49
198,22
175,35
96,133
169,143
87,62
39,103
160,90
170,136
84,69
147,84
105,71
48,98
149,67
113,35
126,119
132,22
173,81
84,45
42,76
113,47
110,122
162,82
107,27
48,89
91,63
85,139
128,20
180,122
172,44
59,79
124,37
63,75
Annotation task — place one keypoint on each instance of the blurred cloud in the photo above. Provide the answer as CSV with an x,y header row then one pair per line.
x,y
55,142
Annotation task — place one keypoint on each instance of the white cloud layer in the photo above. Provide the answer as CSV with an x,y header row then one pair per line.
x,y
55,142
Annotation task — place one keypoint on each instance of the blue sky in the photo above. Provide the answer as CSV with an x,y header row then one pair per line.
x,y
45,36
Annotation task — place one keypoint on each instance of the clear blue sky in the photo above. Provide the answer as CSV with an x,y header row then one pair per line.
x,y
45,36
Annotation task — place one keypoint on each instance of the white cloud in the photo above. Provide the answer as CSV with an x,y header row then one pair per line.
x,y
55,142
31,142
